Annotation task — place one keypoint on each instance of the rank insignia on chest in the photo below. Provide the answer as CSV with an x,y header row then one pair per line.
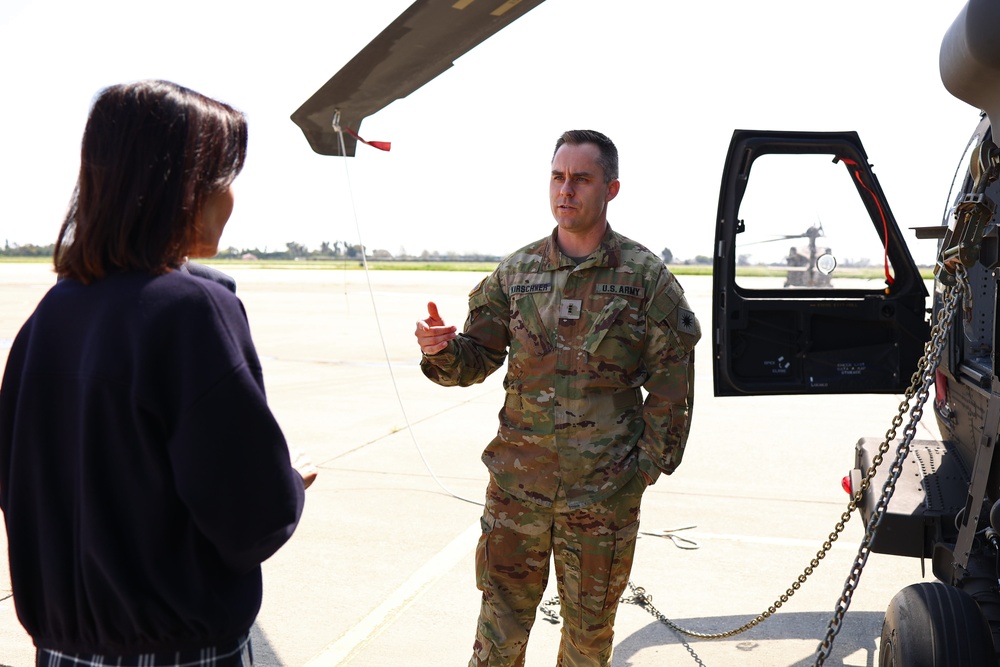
x,y
569,309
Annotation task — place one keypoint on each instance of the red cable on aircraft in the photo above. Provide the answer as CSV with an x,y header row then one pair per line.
x,y
381,145
885,225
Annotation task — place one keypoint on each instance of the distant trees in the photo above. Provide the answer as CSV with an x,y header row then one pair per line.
x,y
345,250
29,250
668,258
299,251
328,250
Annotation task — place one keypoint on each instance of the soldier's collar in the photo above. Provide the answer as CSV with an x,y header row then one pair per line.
x,y
608,254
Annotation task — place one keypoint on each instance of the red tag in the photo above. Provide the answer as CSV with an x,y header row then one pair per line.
x,y
381,145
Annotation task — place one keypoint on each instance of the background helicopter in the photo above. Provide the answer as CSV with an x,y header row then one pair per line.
x,y
808,266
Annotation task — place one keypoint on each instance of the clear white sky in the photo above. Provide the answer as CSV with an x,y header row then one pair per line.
x,y
468,171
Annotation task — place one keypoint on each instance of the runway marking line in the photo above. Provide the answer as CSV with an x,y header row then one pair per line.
x,y
380,618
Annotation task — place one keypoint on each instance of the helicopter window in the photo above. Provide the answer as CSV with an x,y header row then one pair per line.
x,y
806,226
961,182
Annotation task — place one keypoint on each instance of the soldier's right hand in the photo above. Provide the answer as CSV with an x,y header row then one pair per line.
x,y
432,334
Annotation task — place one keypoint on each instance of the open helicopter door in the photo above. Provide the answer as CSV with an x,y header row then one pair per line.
x,y
814,290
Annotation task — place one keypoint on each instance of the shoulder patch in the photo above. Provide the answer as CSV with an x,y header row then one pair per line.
x,y
687,322
665,303
478,288
671,309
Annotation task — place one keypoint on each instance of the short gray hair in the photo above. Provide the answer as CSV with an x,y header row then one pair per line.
x,y
609,153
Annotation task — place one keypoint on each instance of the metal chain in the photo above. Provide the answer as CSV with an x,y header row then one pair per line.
x,y
925,374
919,387
550,615
641,598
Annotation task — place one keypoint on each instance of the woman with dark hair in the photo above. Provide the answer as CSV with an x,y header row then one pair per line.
x,y
143,478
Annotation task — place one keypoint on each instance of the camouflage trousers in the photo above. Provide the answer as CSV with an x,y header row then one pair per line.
x,y
592,549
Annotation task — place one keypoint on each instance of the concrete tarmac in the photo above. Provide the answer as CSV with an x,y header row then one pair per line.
x,y
380,571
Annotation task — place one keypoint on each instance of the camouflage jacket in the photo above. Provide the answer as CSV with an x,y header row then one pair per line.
x,y
582,340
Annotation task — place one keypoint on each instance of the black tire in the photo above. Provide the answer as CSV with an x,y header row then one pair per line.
x,y
933,625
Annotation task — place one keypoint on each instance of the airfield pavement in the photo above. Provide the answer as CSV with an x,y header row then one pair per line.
x,y
380,571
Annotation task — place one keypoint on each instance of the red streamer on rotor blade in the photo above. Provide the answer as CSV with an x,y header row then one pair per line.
x,y
381,145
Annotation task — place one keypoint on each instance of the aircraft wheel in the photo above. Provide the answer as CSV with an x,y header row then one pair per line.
x,y
933,625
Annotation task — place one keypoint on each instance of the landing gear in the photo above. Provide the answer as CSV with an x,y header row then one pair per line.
x,y
934,625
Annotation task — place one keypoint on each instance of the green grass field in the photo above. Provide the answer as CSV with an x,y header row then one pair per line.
x,y
872,273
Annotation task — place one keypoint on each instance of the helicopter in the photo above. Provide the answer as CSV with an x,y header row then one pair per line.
x,y
806,273
851,335
807,267
940,499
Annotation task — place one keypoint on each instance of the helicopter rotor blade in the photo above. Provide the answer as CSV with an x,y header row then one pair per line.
x,y
780,238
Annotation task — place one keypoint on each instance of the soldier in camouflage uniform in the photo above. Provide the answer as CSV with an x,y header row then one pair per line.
x,y
585,319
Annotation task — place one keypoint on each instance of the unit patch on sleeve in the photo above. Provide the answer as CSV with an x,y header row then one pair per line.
x,y
686,321
635,291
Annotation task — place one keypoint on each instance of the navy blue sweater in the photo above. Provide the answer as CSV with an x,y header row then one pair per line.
x,y
143,478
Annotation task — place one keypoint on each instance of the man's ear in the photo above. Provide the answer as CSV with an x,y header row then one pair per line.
x,y
613,188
